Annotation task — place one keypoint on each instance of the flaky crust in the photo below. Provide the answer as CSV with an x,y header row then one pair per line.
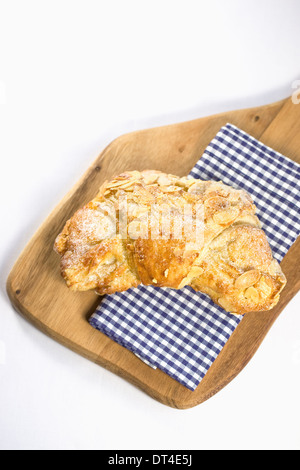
x,y
231,261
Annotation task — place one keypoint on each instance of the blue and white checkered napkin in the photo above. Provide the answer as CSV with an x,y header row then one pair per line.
x,y
182,331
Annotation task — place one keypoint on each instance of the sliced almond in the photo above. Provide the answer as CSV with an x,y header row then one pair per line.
x,y
185,182
252,294
216,193
102,189
217,201
116,184
170,189
249,278
198,187
185,281
216,186
128,185
124,180
226,217
195,271
265,286
163,180
223,301
275,300
150,178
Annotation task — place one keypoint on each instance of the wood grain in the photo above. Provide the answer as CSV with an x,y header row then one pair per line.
x,y
37,290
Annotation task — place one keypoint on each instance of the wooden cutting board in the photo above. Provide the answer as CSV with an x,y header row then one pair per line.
x,y
37,290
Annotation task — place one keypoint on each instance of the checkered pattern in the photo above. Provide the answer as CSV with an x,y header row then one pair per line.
x,y
238,159
182,332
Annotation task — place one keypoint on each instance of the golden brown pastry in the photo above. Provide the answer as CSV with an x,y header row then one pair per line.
x,y
157,229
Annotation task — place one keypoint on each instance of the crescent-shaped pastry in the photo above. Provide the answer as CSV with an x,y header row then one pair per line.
x,y
158,229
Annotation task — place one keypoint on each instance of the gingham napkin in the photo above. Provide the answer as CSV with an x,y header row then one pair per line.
x,y
182,331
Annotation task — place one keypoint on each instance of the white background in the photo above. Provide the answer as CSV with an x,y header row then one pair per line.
x,y
73,76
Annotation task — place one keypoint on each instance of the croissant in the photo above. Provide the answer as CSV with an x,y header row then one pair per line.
x,y
153,228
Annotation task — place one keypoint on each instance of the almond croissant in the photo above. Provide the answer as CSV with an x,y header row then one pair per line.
x,y
152,228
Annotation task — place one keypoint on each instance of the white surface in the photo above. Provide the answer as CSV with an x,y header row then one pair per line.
x,y
73,76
